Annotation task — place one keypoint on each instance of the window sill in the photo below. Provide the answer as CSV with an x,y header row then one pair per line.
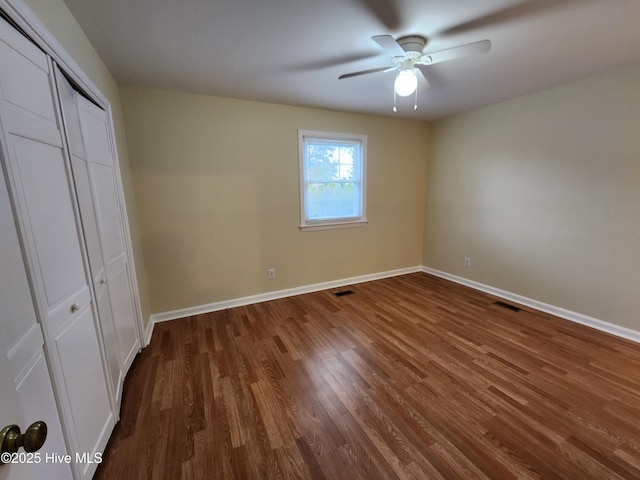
x,y
331,226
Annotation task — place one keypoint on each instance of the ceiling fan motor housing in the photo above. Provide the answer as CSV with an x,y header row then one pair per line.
x,y
412,43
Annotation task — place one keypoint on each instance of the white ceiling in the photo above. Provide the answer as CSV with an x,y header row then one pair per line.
x,y
292,51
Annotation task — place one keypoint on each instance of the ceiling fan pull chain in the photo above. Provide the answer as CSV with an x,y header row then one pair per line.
x,y
415,104
394,100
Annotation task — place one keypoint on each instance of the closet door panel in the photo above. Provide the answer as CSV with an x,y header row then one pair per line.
x,y
116,260
108,213
66,95
98,273
45,187
123,315
100,157
110,339
38,174
26,393
76,346
89,221
25,90
83,183
26,86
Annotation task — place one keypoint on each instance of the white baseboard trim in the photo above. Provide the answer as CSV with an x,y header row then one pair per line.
x,y
148,332
264,297
601,325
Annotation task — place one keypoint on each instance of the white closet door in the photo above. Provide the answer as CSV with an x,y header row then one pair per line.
x,y
26,393
93,163
80,167
104,187
39,181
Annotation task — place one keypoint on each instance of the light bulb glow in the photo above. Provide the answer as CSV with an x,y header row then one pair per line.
x,y
406,82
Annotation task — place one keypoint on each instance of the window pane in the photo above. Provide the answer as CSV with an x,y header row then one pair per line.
x,y
332,200
327,162
332,172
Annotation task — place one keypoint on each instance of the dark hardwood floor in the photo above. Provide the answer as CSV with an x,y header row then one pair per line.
x,y
409,377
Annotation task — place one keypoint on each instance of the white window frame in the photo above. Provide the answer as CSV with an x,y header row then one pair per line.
x,y
344,222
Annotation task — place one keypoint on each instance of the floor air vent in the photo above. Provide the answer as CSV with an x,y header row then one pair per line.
x,y
344,292
507,306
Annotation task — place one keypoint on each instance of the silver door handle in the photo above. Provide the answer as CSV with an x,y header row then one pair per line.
x,y
75,307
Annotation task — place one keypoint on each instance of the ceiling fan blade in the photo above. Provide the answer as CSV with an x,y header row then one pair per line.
x,y
364,72
521,10
386,11
423,83
390,45
331,61
461,51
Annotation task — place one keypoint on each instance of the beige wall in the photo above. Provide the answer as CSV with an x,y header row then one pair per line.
x,y
543,193
217,186
58,20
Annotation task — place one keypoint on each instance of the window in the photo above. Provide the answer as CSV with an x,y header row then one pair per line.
x,y
332,179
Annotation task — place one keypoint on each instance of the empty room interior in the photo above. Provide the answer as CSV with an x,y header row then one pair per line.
x,y
348,239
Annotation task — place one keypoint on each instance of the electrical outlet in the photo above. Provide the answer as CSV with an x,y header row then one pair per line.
x,y
467,261
271,273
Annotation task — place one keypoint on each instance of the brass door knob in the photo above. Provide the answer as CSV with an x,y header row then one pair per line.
x,y
32,440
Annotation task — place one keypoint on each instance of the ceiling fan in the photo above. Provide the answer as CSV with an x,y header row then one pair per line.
x,y
408,59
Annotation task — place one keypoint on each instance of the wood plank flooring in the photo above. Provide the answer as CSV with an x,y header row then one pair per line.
x,y
411,377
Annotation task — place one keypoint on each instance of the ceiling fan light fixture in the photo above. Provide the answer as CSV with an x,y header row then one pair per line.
x,y
406,82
